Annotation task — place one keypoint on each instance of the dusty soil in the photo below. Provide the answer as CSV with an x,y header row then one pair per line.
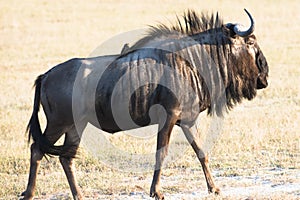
x,y
273,183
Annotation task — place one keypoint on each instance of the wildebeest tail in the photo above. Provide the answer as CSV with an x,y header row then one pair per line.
x,y
34,128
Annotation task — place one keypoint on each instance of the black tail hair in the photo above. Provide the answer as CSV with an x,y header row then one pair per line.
x,y
33,127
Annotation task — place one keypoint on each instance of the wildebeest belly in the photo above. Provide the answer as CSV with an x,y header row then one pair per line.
x,y
117,112
125,95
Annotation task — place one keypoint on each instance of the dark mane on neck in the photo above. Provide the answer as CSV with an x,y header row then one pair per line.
x,y
190,24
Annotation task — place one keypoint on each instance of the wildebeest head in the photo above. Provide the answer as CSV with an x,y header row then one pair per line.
x,y
245,47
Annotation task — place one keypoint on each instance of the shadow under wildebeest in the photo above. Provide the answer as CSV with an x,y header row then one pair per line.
x,y
166,78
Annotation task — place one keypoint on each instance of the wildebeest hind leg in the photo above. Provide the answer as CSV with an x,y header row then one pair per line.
x,y
72,140
191,135
36,157
163,139
52,133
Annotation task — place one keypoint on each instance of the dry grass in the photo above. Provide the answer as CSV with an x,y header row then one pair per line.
x,y
36,35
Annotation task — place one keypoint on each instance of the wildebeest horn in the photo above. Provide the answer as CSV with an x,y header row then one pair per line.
x,y
238,29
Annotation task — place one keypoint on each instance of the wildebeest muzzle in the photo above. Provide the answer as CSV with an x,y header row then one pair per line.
x,y
263,67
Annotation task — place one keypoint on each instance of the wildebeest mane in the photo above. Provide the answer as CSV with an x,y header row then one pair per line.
x,y
191,23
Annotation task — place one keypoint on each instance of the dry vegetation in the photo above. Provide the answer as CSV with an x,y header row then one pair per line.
x,y
256,137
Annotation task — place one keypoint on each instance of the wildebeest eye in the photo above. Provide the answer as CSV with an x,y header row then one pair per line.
x,y
250,42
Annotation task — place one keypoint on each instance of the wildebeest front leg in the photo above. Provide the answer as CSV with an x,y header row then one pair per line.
x,y
191,135
36,157
72,140
163,139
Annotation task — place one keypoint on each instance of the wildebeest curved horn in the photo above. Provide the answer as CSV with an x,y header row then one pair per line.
x,y
238,29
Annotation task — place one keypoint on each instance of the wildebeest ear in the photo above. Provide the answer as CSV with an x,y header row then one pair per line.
x,y
228,30
125,49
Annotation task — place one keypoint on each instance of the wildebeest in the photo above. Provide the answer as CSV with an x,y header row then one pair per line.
x,y
198,64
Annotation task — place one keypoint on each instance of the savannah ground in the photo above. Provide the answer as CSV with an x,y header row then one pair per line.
x,y
256,154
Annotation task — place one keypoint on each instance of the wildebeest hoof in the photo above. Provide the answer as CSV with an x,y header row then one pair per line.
x,y
157,195
214,190
24,196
